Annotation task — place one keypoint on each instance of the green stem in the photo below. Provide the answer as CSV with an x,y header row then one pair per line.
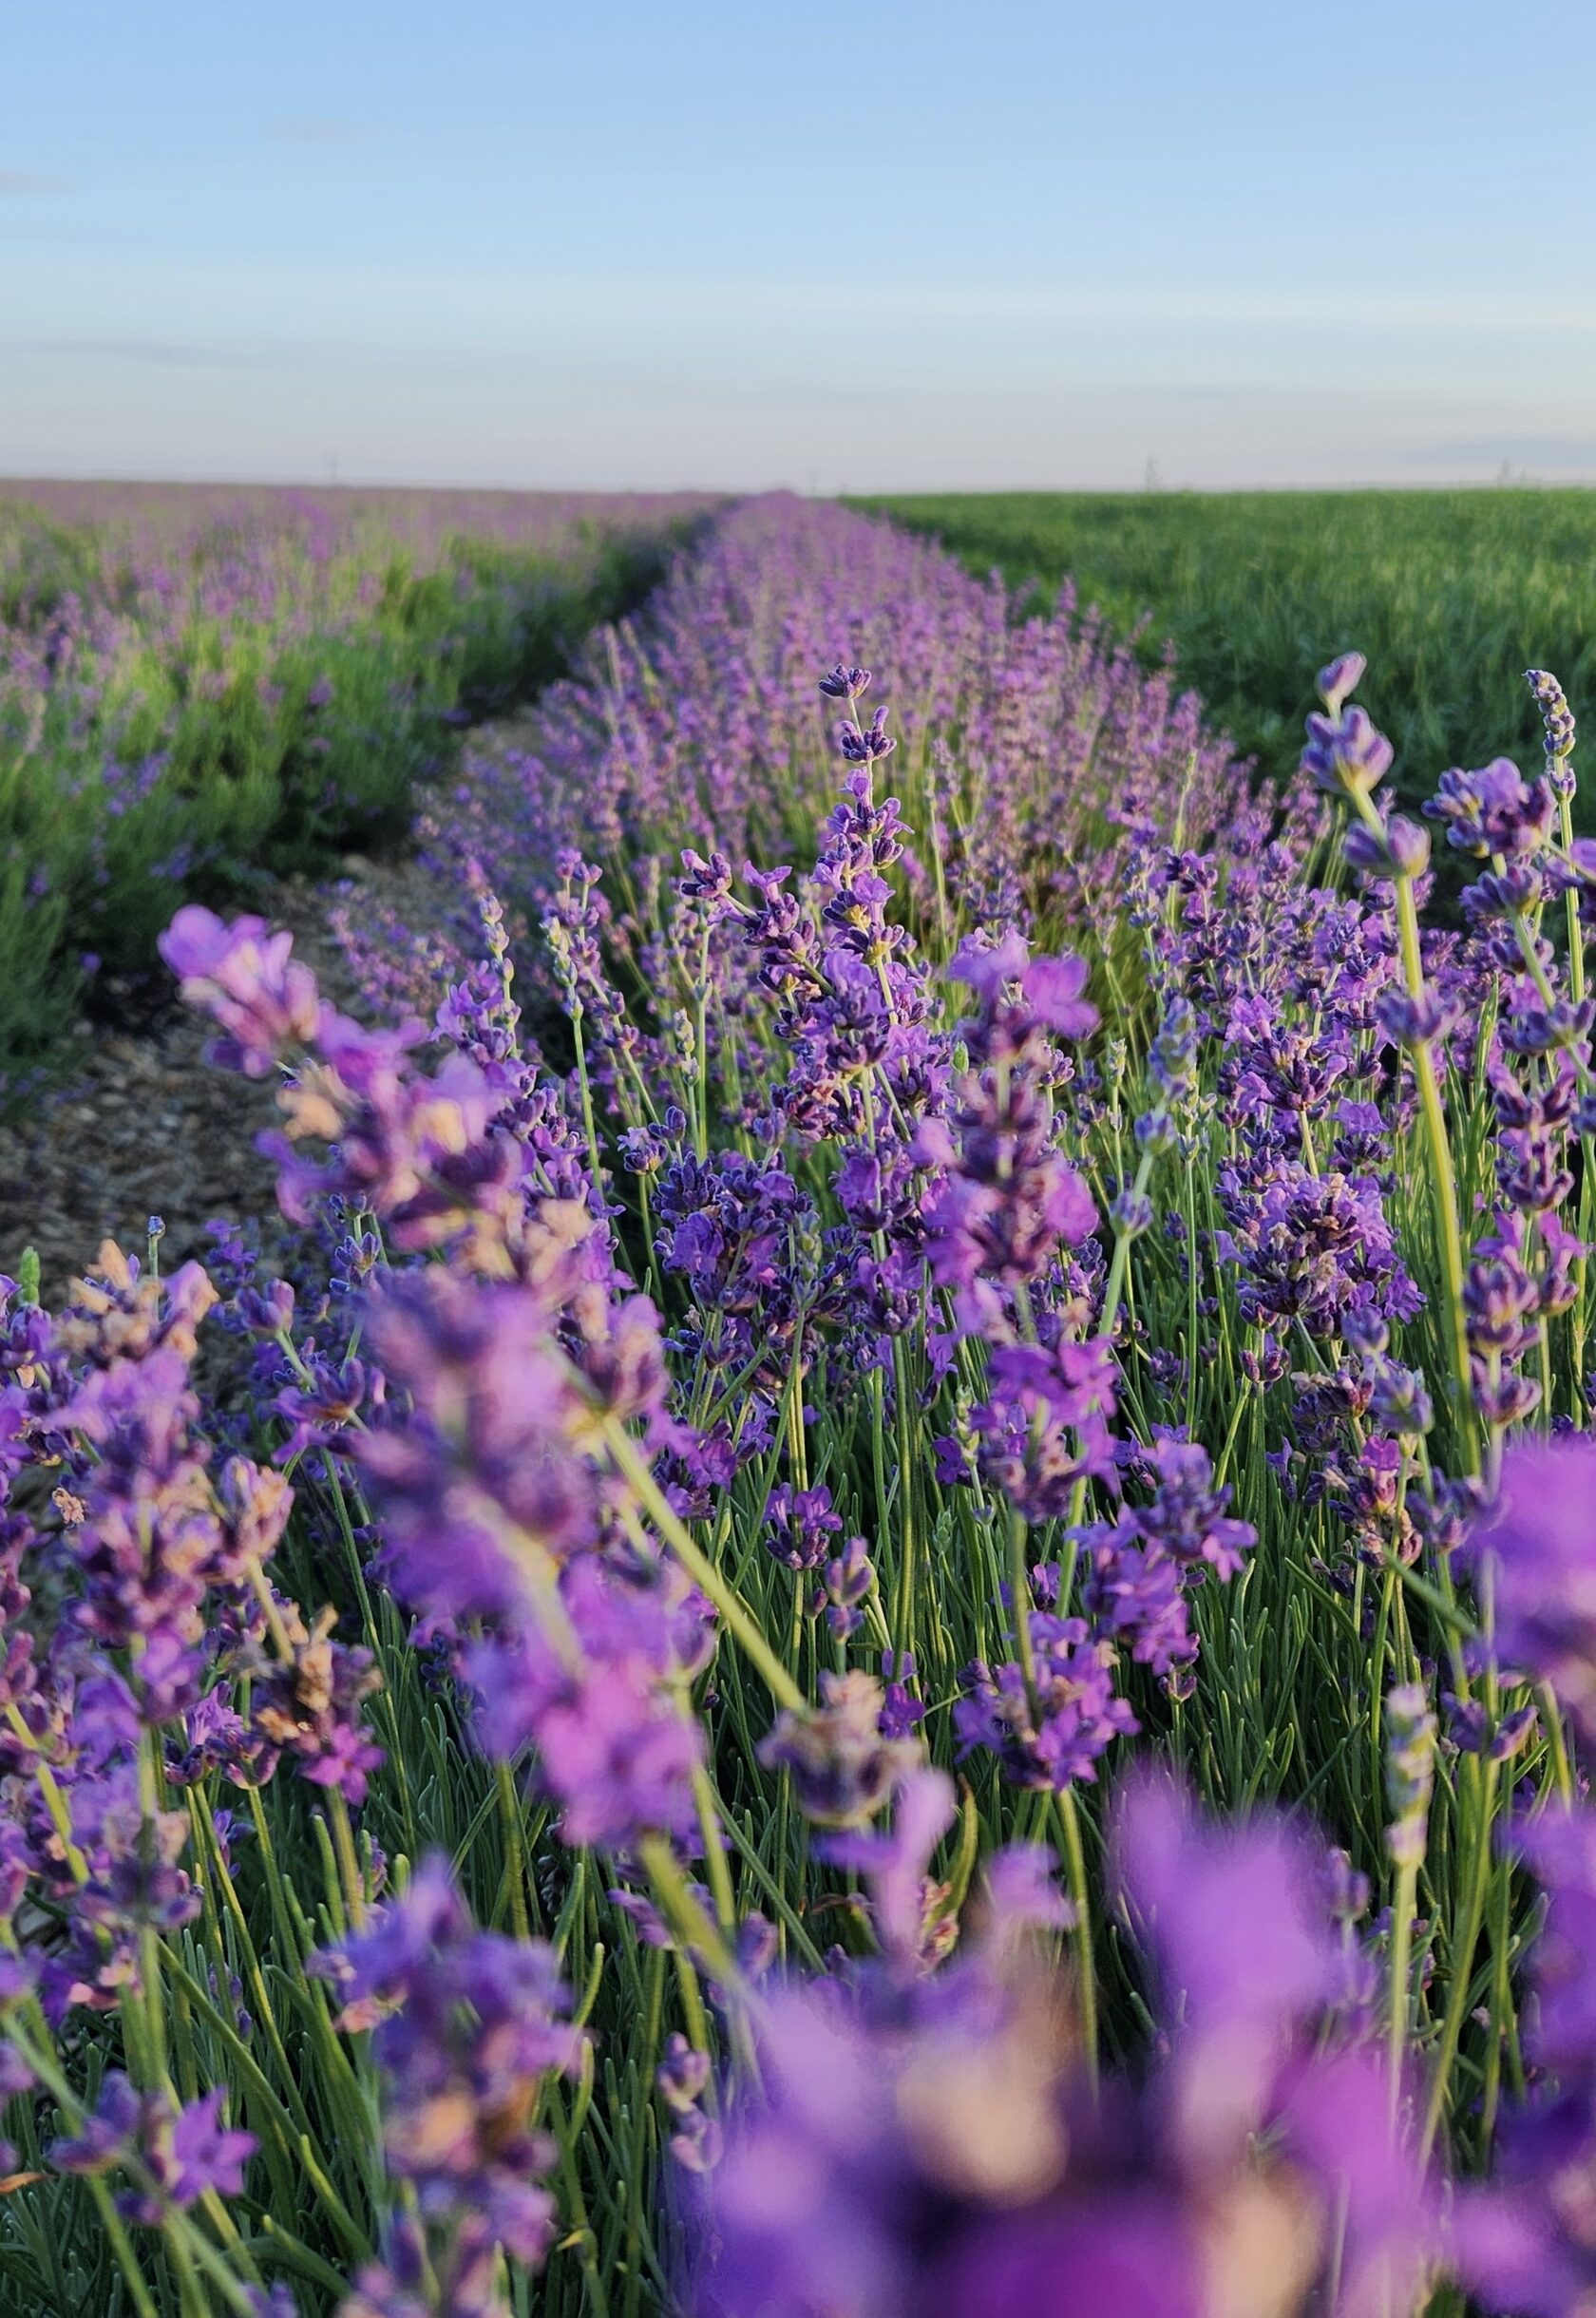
x,y
349,1863
701,1052
683,1913
590,1128
1086,1967
1443,1179
1119,1261
1019,1588
1571,903
714,1850
734,1611
515,1863
1462,1958
1402,1964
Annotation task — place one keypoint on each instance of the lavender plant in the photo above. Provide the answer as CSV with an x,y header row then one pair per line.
x,y
196,685
890,1616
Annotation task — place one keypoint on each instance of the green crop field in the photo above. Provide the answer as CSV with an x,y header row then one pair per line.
x,y
1451,594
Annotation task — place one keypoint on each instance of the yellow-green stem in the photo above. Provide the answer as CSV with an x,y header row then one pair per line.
x,y
734,1611
1086,1965
1443,1180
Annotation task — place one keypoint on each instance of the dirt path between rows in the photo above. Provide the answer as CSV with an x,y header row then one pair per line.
x,y
141,1125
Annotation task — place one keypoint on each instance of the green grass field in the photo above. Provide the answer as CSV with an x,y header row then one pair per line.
x,y
1451,594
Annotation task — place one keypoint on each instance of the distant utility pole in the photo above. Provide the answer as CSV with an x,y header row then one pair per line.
x,y
1153,480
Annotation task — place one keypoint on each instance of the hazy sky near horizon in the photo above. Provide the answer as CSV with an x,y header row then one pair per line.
x,y
885,245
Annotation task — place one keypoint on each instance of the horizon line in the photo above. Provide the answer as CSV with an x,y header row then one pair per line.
x,y
1513,481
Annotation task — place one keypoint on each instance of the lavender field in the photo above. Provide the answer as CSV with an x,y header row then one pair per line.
x,y
201,685
882,1606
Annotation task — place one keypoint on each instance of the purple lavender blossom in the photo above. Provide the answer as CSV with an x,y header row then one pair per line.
x,y
468,2023
1187,1515
1537,1541
682,2079
1077,1717
592,1688
1400,848
1409,1770
843,1767
187,2151
800,1525
1558,724
245,977
1345,756
1342,677
937,2151
860,744
306,1693
483,1457
908,1912
1493,810
848,1581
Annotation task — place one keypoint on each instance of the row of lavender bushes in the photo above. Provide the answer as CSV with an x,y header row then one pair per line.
x,y
194,690
897,1616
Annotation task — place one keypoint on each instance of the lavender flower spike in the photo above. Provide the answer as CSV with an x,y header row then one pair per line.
x,y
862,743
1342,677
245,979
1345,755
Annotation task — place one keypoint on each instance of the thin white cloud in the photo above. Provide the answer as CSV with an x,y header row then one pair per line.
x,y
1470,312
32,181
311,131
167,353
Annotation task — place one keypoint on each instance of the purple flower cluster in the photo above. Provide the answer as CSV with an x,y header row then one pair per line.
x,y
168,1657
495,1516
1535,1545
941,2151
468,2025
1345,755
1143,1570
699,726
1012,1204
243,976
1050,1731
180,2154
843,1761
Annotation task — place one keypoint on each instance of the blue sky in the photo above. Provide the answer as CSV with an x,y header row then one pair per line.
x,y
632,243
